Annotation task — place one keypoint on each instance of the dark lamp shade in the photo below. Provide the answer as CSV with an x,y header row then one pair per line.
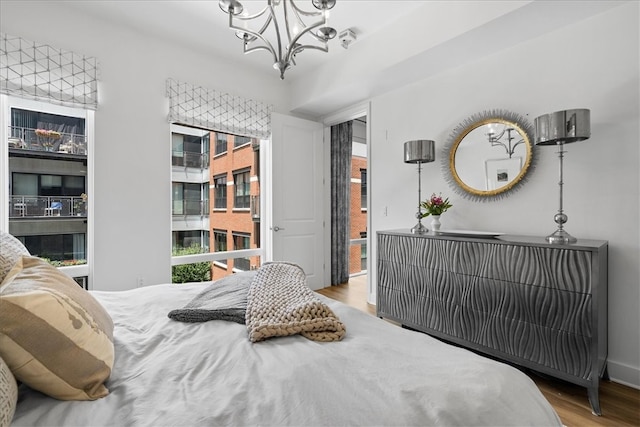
x,y
419,151
562,127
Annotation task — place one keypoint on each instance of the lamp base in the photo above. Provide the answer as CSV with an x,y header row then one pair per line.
x,y
419,229
561,237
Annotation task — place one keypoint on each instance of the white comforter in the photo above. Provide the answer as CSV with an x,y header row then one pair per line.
x,y
169,373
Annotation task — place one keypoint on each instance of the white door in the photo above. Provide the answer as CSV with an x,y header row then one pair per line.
x,y
297,222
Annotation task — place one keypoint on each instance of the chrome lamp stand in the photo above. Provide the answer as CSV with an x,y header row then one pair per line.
x,y
419,151
560,128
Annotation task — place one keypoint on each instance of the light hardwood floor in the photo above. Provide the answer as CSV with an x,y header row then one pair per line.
x,y
620,404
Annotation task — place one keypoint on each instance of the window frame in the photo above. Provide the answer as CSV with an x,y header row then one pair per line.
x,y
6,104
246,238
220,143
363,189
224,235
219,258
246,196
220,187
244,140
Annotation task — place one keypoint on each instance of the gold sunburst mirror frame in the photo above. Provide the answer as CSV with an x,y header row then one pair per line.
x,y
489,155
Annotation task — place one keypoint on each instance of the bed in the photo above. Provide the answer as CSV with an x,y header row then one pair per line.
x,y
176,373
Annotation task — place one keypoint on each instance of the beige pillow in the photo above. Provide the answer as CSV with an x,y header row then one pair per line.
x,y
11,249
8,394
54,335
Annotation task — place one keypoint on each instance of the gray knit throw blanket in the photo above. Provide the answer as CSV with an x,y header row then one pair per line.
x,y
224,299
280,303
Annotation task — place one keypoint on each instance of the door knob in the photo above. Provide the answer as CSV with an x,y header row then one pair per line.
x,y
276,228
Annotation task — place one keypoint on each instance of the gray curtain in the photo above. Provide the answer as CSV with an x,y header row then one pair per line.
x,y
341,136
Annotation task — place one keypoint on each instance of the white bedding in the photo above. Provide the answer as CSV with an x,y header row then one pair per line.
x,y
170,373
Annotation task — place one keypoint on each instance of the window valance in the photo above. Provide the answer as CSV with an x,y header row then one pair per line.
x,y
210,109
38,71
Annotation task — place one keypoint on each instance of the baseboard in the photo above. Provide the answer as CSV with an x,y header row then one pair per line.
x,y
624,374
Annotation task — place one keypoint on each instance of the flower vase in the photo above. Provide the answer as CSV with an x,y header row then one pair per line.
x,y
435,222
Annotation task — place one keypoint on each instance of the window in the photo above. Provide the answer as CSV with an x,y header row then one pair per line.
x,y
48,185
36,195
239,141
47,182
191,151
221,143
241,241
363,252
192,190
190,230
220,237
189,199
187,239
242,196
220,244
363,189
220,192
177,151
57,247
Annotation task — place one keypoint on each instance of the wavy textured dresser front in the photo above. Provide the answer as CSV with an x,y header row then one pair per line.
x,y
517,298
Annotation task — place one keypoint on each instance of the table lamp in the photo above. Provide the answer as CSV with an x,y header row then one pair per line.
x,y
419,151
559,128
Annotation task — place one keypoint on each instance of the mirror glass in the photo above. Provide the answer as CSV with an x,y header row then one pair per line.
x,y
489,155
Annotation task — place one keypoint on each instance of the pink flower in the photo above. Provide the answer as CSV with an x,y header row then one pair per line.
x,y
436,205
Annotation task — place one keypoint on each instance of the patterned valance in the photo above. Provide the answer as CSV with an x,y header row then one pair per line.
x,y
210,109
38,71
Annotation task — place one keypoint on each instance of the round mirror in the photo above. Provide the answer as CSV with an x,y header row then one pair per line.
x,y
489,154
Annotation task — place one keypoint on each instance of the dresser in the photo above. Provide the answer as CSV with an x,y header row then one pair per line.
x,y
515,298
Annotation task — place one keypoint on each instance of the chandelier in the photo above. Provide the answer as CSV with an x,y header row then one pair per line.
x,y
495,139
288,40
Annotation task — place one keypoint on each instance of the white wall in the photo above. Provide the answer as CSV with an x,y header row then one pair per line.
x,y
132,215
593,64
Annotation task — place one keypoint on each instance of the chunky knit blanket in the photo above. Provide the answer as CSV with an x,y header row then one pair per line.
x,y
280,303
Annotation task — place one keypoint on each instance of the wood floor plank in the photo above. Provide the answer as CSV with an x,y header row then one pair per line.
x,y
620,404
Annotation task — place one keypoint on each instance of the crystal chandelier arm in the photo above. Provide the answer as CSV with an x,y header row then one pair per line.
x,y
324,21
249,18
250,36
294,46
276,25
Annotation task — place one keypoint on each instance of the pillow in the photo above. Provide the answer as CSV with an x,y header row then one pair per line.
x,y
8,394
54,335
11,249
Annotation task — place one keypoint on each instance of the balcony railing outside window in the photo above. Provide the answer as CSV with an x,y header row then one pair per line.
x,y
47,140
190,160
47,206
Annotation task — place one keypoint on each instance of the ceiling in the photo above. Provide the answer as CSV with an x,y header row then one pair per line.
x,y
203,26
398,42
